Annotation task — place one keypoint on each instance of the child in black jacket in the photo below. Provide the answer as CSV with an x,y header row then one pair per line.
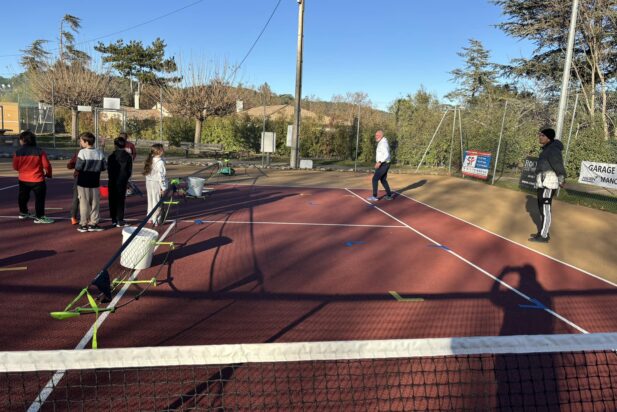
x,y
119,168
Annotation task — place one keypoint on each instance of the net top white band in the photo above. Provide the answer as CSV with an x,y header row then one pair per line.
x,y
28,361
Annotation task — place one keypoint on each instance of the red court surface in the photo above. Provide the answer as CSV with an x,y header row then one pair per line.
x,y
275,264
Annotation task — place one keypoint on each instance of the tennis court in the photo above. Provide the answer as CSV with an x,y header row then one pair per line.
x,y
301,266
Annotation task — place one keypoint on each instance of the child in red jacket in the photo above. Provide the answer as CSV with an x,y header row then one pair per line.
x,y
33,166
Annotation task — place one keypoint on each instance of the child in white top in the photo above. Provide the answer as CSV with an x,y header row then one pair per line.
x,y
156,180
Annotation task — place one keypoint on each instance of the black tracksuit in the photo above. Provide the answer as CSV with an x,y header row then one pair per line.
x,y
550,159
119,168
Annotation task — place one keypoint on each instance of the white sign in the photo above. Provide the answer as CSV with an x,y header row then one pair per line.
x,y
306,164
84,108
111,103
290,132
268,142
599,174
239,106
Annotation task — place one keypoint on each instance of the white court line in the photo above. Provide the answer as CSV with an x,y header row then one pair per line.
x,y
9,187
473,265
51,384
240,222
512,241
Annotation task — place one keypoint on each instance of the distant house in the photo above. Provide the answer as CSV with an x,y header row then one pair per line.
x,y
137,114
285,111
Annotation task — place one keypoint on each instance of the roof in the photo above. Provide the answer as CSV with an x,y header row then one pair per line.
x,y
282,111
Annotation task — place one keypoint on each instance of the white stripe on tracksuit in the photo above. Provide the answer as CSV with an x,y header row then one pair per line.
x,y
546,213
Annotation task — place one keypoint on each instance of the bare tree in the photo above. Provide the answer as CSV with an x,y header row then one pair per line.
x,y
204,92
70,85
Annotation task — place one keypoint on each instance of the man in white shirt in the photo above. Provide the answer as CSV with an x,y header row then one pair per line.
x,y
382,158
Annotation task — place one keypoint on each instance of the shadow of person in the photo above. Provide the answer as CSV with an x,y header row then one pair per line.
x,y
524,317
414,185
531,206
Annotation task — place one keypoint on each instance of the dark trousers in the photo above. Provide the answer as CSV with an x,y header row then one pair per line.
x,y
117,197
75,204
545,200
39,189
381,175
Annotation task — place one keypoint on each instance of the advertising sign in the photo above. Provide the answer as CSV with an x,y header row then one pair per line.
x,y
599,174
477,164
528,174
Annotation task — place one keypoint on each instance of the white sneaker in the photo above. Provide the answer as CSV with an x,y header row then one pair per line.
x,y
372,199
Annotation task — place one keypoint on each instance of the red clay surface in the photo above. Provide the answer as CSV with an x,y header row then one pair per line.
x,y
325,274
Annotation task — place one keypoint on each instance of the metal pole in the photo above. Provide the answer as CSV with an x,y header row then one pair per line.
x,y
460,128
96,126
503,122
431,142
2,116
565,162
295,137
452,142
161,113
53,113
563,100
355,162
571,127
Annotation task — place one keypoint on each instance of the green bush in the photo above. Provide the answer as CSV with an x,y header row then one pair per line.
x,y
178,130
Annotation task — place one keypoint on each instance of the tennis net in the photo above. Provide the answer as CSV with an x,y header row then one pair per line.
x,y
538,372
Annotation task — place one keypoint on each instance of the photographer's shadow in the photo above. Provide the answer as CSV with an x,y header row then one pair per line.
x,y
516,314
521,317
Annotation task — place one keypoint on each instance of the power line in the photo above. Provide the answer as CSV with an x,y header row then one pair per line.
x,y
123,30
258,37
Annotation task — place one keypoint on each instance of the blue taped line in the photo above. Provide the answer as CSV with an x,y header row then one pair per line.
x,y
351,243
536,305
439,246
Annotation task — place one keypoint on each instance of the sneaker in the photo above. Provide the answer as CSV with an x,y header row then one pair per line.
x,y
389,197
114,224
95,228
23,216
43,220
82,228
538,239
539,235
74,221
122,223
372,199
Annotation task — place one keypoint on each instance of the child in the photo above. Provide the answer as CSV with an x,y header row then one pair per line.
x,y
33,166
132,188
156,180
90,164
119,169
75,205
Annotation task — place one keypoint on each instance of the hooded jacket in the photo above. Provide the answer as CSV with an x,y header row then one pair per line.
x,y
550,172
119,167
32,164
551,159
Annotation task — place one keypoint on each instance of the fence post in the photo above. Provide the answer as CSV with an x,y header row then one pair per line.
x,y
565,160
503,122
431,142
452,142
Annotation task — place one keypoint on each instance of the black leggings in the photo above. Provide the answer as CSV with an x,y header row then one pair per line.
x,y
39,189
117,197
381,175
